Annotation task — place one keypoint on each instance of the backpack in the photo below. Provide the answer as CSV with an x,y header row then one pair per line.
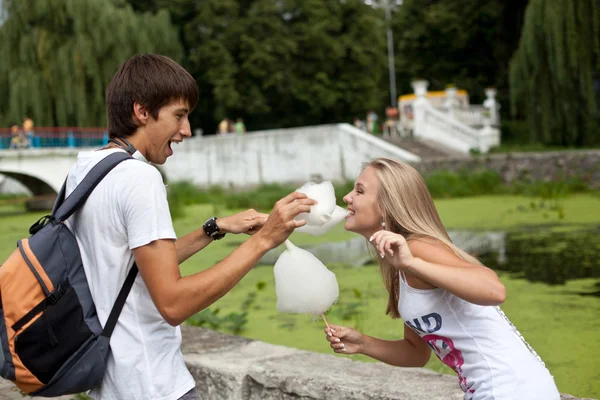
x,y
51,341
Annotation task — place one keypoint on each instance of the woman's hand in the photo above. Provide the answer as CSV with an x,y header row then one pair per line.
x,y
344,340
393,247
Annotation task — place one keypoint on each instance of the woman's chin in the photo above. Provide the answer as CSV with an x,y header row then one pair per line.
x,y
349,226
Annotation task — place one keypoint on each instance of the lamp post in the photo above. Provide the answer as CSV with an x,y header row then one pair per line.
x,y
388,5
390,46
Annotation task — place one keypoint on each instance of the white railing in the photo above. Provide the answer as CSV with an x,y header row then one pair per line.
x,y
441,127
472,116
461,129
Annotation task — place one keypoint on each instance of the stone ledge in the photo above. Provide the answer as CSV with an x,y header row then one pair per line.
x,y
228,367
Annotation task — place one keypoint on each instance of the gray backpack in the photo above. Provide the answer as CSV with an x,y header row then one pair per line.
x,y
51,341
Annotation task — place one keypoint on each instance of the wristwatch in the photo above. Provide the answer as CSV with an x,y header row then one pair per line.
x,y
212,229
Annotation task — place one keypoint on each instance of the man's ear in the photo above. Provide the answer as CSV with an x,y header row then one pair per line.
x,y
140,114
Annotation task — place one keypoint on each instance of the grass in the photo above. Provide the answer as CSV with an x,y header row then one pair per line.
x,y
560,323
506,212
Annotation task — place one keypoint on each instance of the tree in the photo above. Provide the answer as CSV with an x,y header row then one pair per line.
x,y
281,63
339,70
555,73
59,56
467,43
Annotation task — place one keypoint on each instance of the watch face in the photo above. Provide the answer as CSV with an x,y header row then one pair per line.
x,y
212,229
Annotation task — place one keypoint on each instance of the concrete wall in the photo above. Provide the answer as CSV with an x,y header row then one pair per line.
x,y
42,171
334,152
584,164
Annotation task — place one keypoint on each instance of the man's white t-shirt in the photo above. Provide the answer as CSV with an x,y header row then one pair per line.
x,y
128,209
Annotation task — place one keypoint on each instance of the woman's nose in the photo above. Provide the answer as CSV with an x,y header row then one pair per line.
x,y
347,199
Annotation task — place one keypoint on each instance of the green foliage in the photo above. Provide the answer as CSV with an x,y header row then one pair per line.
x,y
514,131
444,184
435,40
281,63
441,184
185,193
59,56
550,257
82,396
448,184
262,198
351,308
554,73
234,322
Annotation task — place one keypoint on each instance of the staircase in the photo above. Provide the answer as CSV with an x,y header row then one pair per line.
x,y
425,148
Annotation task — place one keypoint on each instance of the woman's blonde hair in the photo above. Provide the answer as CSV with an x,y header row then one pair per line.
x,y
407,208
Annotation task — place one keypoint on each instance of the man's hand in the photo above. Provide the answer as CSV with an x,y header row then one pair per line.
x,y
281,223
249,221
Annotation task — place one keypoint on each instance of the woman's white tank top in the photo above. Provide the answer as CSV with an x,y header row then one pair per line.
x,y
491,358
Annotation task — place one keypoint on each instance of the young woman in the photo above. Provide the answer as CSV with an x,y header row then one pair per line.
x,y
447,298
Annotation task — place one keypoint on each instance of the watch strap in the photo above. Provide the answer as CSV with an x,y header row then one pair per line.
x,y
212,229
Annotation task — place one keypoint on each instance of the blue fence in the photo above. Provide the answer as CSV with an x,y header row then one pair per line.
x,y
54,137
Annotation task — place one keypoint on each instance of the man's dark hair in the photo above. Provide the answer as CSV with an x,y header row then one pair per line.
x,y
151,80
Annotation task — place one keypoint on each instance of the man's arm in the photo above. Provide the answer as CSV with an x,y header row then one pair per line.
x,y
177,298
249,222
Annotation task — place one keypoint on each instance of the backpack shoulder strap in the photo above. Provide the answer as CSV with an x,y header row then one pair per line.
x,y
60,198
64,208
111,322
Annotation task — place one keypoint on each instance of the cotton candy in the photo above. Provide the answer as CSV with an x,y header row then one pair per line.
x,y
321,212
324,215
302,283
338,215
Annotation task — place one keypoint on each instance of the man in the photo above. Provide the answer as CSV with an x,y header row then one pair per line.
x,y
126,219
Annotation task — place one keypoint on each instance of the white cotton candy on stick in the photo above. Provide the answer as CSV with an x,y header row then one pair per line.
x,y
321,212
302,282
337,216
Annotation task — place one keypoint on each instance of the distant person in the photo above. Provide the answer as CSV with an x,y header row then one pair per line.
x,y
28,130
240,128
372,122
389,128
448,300
359,124
223,127
18,139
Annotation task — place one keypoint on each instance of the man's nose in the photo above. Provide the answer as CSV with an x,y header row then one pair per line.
x,y
186,129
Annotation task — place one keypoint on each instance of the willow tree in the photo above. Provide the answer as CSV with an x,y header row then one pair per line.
x,y
58,56
555,72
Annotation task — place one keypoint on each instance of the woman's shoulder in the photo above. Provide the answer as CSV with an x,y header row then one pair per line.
x,y
426,244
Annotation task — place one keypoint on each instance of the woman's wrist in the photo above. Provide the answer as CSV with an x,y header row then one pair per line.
x,y
414,266
364,345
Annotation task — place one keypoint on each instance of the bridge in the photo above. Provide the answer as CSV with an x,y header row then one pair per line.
x,y
329,152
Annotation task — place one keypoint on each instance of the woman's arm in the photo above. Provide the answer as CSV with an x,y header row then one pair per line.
x,y
433,262
411,351
438,265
